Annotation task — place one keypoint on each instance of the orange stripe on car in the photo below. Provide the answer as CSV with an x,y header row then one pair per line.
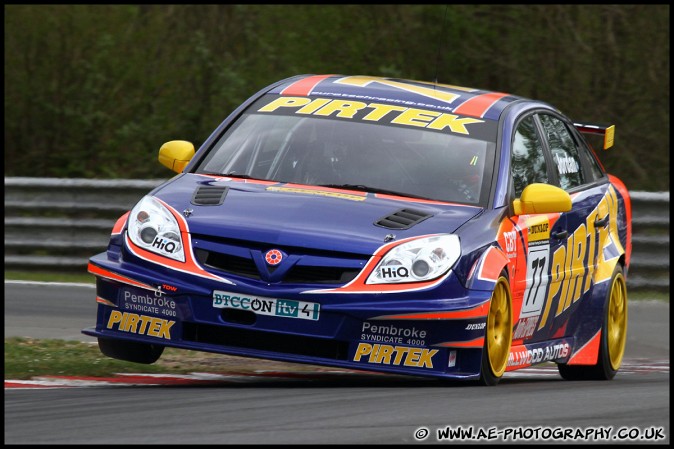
x,y
98,271
304,86
418,200
479,105
105,302
588,353
620,187
480,311
119,224
493,263
477,343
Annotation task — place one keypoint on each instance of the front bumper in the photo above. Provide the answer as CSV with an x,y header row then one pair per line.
x,y
437,333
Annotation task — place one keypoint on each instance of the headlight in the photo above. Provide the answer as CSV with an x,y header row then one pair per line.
x,y
153,227
422,259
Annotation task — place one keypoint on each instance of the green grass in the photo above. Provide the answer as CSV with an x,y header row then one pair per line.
x,y
26,358
48,276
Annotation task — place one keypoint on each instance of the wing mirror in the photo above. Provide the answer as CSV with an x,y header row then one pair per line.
x,y
176,154
542,199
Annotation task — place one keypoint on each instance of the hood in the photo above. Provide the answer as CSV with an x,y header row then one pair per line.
x,y
290,215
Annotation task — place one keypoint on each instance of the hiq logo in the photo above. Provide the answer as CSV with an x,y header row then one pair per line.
x,y
394,272
165,245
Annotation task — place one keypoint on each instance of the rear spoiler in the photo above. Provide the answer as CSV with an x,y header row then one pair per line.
x,y
608,131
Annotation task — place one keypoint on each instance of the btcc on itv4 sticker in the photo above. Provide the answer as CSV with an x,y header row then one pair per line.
x,y
267,306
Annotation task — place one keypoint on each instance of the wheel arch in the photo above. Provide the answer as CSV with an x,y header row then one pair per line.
x,y
487,268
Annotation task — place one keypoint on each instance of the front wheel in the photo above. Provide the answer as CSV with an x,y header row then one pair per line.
x,y
130,351
498,335
613,336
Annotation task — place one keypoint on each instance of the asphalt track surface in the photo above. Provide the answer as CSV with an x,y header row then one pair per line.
x,y
336,407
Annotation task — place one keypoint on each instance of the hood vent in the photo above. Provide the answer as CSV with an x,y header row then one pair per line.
x,y
403,219
209,195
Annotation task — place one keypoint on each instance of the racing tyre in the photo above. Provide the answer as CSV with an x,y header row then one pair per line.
x,y
130,351
498,334
613,336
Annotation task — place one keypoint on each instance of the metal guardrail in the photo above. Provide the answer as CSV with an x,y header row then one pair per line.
x,y
53,223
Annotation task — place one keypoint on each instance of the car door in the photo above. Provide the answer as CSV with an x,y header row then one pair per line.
x,y
530,239
577,245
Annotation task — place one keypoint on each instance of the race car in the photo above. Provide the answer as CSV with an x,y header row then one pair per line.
x,y
378,224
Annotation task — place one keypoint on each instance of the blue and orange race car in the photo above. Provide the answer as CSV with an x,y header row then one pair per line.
x,y
378,224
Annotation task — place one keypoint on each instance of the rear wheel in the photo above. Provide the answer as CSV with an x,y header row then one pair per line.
x,y
498,334
130,351
613,336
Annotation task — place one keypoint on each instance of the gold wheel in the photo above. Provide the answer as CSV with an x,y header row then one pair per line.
x,y
499,328
617,321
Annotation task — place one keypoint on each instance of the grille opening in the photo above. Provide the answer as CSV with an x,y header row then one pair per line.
x,y
403,219
299,274
238,316
265,341
226,262
320,275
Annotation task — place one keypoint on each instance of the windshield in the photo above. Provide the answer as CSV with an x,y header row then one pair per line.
x,y
350,154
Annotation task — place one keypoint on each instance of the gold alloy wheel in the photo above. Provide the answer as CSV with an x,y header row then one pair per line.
x,y
617,321
499,328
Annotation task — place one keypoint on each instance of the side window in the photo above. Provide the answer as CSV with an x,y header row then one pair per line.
x,y
527,164
594,170
564,152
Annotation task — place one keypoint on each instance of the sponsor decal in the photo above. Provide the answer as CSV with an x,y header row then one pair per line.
x,y
152,303
582,260
525,327
476,326
373,112
451,361
170,288
395,355
419,88
140,324
525,357
267,306
566,164
166,245
273,257
510,243
335,194
538,262
538,229
392,334
394,272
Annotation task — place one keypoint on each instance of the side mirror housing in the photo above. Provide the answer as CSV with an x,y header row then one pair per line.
x,y
542,199
176,154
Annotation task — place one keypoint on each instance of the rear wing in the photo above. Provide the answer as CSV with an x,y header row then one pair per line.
x,y
608,131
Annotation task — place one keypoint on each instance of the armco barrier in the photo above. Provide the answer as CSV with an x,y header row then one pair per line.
x,y
53,223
